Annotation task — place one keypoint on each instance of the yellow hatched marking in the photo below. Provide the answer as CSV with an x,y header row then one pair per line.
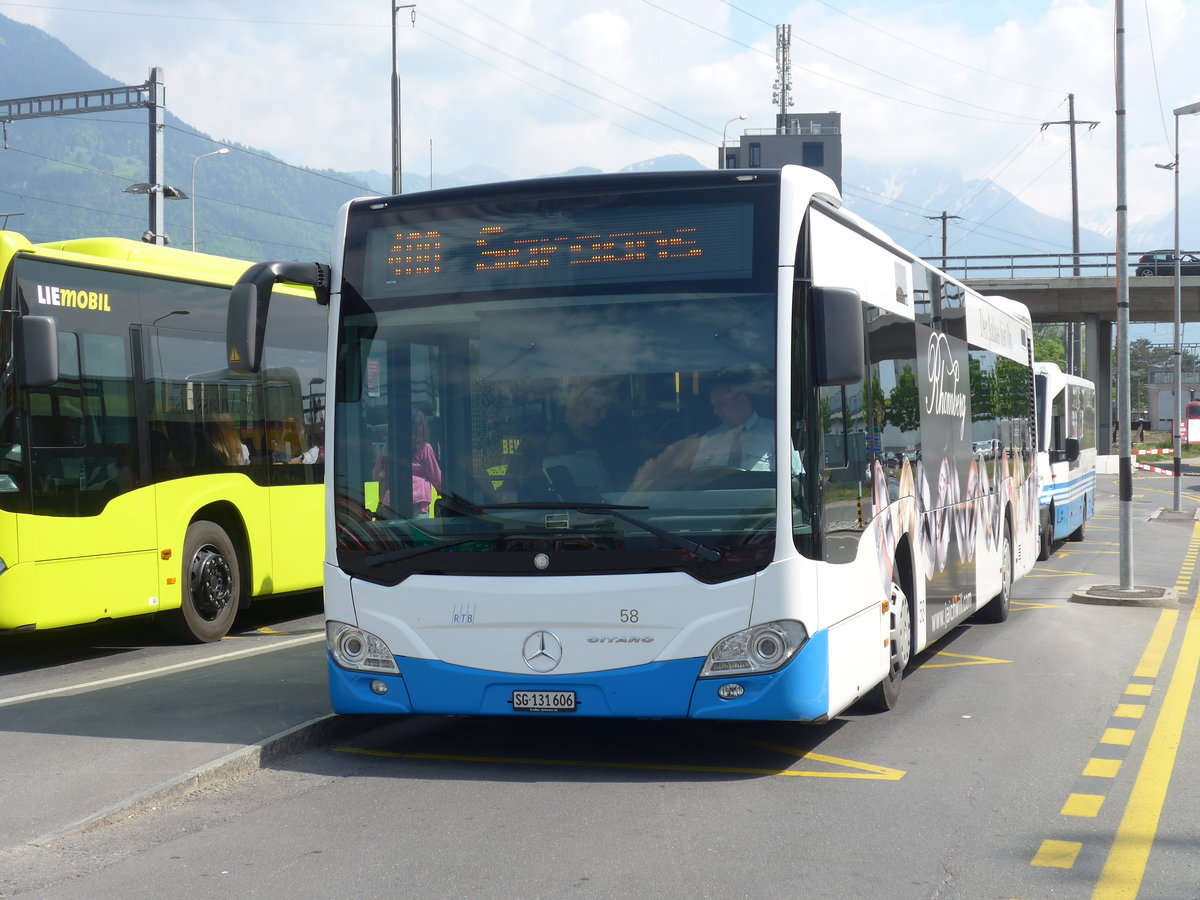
x,y
1015,605
1102,768
1139,690
1057,854
1037,574
879,772
1130,710
867,772
1084,806
968,661
1121,737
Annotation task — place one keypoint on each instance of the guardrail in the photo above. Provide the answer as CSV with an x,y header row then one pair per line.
x,y
1035,265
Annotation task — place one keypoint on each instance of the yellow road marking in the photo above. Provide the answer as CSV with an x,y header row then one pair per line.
x,y
868,773
1084,806
1015,605
1152,656
968,661
881,772
1121,737
1139,690
1126,864
1036,574
1102,768
1130,711
1057,854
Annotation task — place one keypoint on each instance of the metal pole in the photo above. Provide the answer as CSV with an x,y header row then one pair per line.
x,y
395,109
1125,487
1180,424
156,103
397,186
1177,442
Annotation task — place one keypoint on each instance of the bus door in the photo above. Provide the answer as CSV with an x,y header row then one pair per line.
x,y
92,536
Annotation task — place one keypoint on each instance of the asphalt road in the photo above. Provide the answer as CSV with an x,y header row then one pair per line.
x,y
1054,755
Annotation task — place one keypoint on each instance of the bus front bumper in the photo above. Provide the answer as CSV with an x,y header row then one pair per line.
x,y
663,690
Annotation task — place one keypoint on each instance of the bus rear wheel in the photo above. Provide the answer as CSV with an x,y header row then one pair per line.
x,y
884,695
1047,538
996,609
212,585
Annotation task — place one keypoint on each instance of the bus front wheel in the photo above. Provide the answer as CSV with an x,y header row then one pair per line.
x,y
884,695
212,584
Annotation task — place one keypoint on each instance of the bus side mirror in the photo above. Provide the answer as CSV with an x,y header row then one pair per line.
x,y
838,338
249,300
37,338
1072,453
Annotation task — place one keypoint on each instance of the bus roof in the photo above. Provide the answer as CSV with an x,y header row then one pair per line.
x,y
136,256
122,253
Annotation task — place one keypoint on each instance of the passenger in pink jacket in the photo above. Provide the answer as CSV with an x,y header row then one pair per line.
x,y
426,473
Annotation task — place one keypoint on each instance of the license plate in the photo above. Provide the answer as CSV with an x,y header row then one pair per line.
x,y
543,701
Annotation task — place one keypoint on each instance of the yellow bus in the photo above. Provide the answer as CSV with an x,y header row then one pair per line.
x,y
138,474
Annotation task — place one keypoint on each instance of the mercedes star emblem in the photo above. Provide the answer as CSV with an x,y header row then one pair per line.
x,y
542,651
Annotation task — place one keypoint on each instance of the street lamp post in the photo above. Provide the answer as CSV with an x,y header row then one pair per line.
x,y
724,130
397,186
1177,439
220,152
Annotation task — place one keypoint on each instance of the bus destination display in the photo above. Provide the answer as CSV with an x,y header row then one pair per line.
x,y
563,248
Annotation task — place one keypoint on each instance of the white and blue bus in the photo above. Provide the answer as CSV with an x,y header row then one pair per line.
x,y
696,444
1066,455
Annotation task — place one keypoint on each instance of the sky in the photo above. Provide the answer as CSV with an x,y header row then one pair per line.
x,y
535,87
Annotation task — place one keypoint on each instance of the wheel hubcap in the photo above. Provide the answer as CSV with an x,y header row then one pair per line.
x,y
901,635
210,581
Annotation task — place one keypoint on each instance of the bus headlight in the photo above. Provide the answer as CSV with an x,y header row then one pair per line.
x,y
763,648
353,648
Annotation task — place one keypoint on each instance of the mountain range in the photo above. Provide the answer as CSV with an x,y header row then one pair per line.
x,y
65,177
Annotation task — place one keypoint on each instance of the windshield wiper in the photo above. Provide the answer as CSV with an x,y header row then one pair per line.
x,y
376,560
712,554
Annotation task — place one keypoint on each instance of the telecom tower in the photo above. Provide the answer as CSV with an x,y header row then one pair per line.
x,y
808,139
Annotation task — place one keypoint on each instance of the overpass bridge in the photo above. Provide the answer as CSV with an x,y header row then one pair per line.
x,y
1068,288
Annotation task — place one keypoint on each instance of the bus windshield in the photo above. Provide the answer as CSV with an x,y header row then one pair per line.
x,y
606,432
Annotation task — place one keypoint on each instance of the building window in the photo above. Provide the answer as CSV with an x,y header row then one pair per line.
x,y
731,159
813,154
755,152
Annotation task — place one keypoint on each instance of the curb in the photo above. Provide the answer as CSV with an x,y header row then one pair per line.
x,y
1140,595
270,750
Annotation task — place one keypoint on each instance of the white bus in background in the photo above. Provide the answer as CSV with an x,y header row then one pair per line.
x,y
1066,458
707,446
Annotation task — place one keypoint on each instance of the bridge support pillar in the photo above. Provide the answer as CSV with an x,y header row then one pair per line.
x,y
1097,338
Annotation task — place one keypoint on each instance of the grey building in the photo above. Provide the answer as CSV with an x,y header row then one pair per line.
x,y
807,139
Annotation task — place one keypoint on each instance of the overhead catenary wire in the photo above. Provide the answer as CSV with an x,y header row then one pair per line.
x,y
549,93
939,54
1013,118
588,69
559,78
863,66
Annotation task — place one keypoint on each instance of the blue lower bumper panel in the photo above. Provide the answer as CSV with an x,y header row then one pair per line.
x,y
666,690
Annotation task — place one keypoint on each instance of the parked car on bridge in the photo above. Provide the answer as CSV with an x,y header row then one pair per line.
x,y
1162,262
